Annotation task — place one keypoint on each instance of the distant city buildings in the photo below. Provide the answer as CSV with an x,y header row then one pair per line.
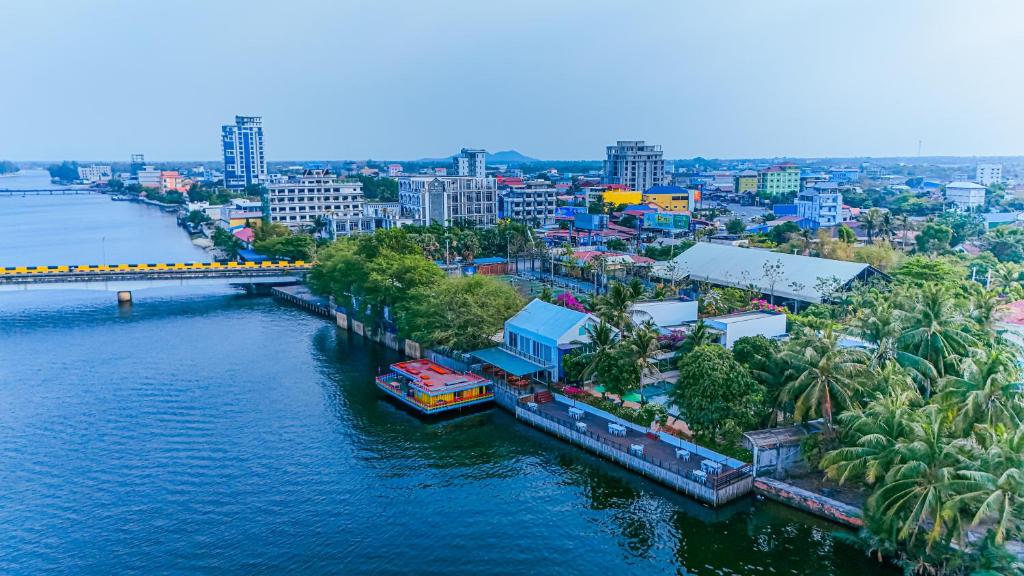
x,y
966,195
394,170
778,180
149,177
634,164
844,175
471,163
95,173
172,181
532,202
821,203
668,198
745,182
319,199
242,143
988,174
448,199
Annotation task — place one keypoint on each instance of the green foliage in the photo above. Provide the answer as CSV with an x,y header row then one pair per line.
x,y
616,244
458,313
668,252
934,238
1006,244
65,172
227,242
781,233
920,270
715,393
379,189
8,167
963,226
197,217
297,247
735,226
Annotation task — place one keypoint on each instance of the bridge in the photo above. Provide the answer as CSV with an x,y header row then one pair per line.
x,y
123,278
47,191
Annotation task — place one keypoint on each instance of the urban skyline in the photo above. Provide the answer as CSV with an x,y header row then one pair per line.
x,y
722,81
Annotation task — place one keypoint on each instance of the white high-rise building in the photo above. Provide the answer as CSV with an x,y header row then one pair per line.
x,y
242,143
471,163
822,203
988,174
635,164
966,195
94,173
319,196
448,199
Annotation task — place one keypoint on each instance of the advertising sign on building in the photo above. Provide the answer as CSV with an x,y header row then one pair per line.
x,y
667,221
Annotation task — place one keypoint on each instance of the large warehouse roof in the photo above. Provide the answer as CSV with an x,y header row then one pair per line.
x,y
800,278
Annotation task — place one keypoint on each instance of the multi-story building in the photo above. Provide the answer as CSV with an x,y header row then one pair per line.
x,y
242,143
634,164
394,170
669,198
985,174
534,203
149,177
844,175
384,214
172,181
745,182
471,163
240,212
448,199
821,203
779,180
966,195
94,173
319,196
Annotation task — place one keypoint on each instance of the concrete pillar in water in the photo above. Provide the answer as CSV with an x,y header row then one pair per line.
x,y
124,297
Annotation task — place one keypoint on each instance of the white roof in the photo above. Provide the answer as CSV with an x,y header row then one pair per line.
x,y
745,267
970,185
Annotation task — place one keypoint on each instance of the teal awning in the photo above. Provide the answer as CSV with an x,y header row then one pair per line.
x,y
507,361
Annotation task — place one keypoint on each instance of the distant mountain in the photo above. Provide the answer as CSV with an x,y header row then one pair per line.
x,y
509,157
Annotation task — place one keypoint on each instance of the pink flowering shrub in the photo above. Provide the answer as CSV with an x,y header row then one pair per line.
x,y
569,301
761,304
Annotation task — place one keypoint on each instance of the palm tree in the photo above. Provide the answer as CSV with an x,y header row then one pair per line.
x,y
699,336
996,491
636,288
1006,277
659,292
918,486
872,220
880,324
987,393
645,347
870,438
936,331
614,306
823,377
601,339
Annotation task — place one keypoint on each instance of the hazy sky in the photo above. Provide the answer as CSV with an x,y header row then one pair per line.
x,y
341,79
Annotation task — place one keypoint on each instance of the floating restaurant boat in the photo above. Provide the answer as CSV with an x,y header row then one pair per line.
x,y
430,388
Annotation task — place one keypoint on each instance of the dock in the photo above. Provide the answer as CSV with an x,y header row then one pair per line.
x,y
304,298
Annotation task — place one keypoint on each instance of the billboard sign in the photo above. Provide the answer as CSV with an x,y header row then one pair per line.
x,y
667,221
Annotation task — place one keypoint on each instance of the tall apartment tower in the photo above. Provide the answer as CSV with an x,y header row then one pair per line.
x,y
471,163
244,163
635,164
988,174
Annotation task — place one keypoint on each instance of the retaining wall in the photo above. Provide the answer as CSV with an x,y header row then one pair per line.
x,y
811,502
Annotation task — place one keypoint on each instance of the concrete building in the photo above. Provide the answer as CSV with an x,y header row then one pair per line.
x,y
384,214
240,212
172,181
149,177
533,203
471,163
319,195
394,170
94,173
634,164
745,182
732,327
821,203
844,175
966,195
668,198
242,143
448,199
988,174
779,180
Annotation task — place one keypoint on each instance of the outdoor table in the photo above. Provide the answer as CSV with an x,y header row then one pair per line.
x,y
700,476
683,454
616,429
581,426
532,406
576,413
710,466
636,449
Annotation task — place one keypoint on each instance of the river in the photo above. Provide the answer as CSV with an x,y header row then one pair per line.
x,y
203,431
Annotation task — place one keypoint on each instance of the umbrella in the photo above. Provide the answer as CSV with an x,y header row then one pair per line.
x,y
632,397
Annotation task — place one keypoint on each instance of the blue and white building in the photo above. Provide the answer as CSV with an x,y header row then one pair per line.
x,y
242,143
821,203
537,339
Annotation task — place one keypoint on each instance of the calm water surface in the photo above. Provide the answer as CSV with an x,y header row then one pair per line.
x,y
205,432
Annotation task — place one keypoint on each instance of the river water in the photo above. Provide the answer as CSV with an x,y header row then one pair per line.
x,y
203,431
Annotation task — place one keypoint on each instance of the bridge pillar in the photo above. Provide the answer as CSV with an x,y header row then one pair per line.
x,y
124,297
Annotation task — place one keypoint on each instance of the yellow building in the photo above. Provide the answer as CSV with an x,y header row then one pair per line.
x,y
621,196
669,198
746,182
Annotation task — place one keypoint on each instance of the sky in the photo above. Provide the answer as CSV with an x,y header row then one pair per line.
x,y
554,79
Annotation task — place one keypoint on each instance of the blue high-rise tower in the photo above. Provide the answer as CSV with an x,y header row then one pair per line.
x,y
242,143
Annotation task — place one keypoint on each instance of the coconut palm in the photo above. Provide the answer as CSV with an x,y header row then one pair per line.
x,y
995,491
601,340
1005,277
986,393
880,324
935,331
823,377
870,437
659,292
613,307
645,347
699,336
636,288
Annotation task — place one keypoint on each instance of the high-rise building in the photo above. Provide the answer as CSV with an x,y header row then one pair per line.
x,y
471,163
989,174
635,164
448,199
822,203
534,202
319,197
778,180
242,142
